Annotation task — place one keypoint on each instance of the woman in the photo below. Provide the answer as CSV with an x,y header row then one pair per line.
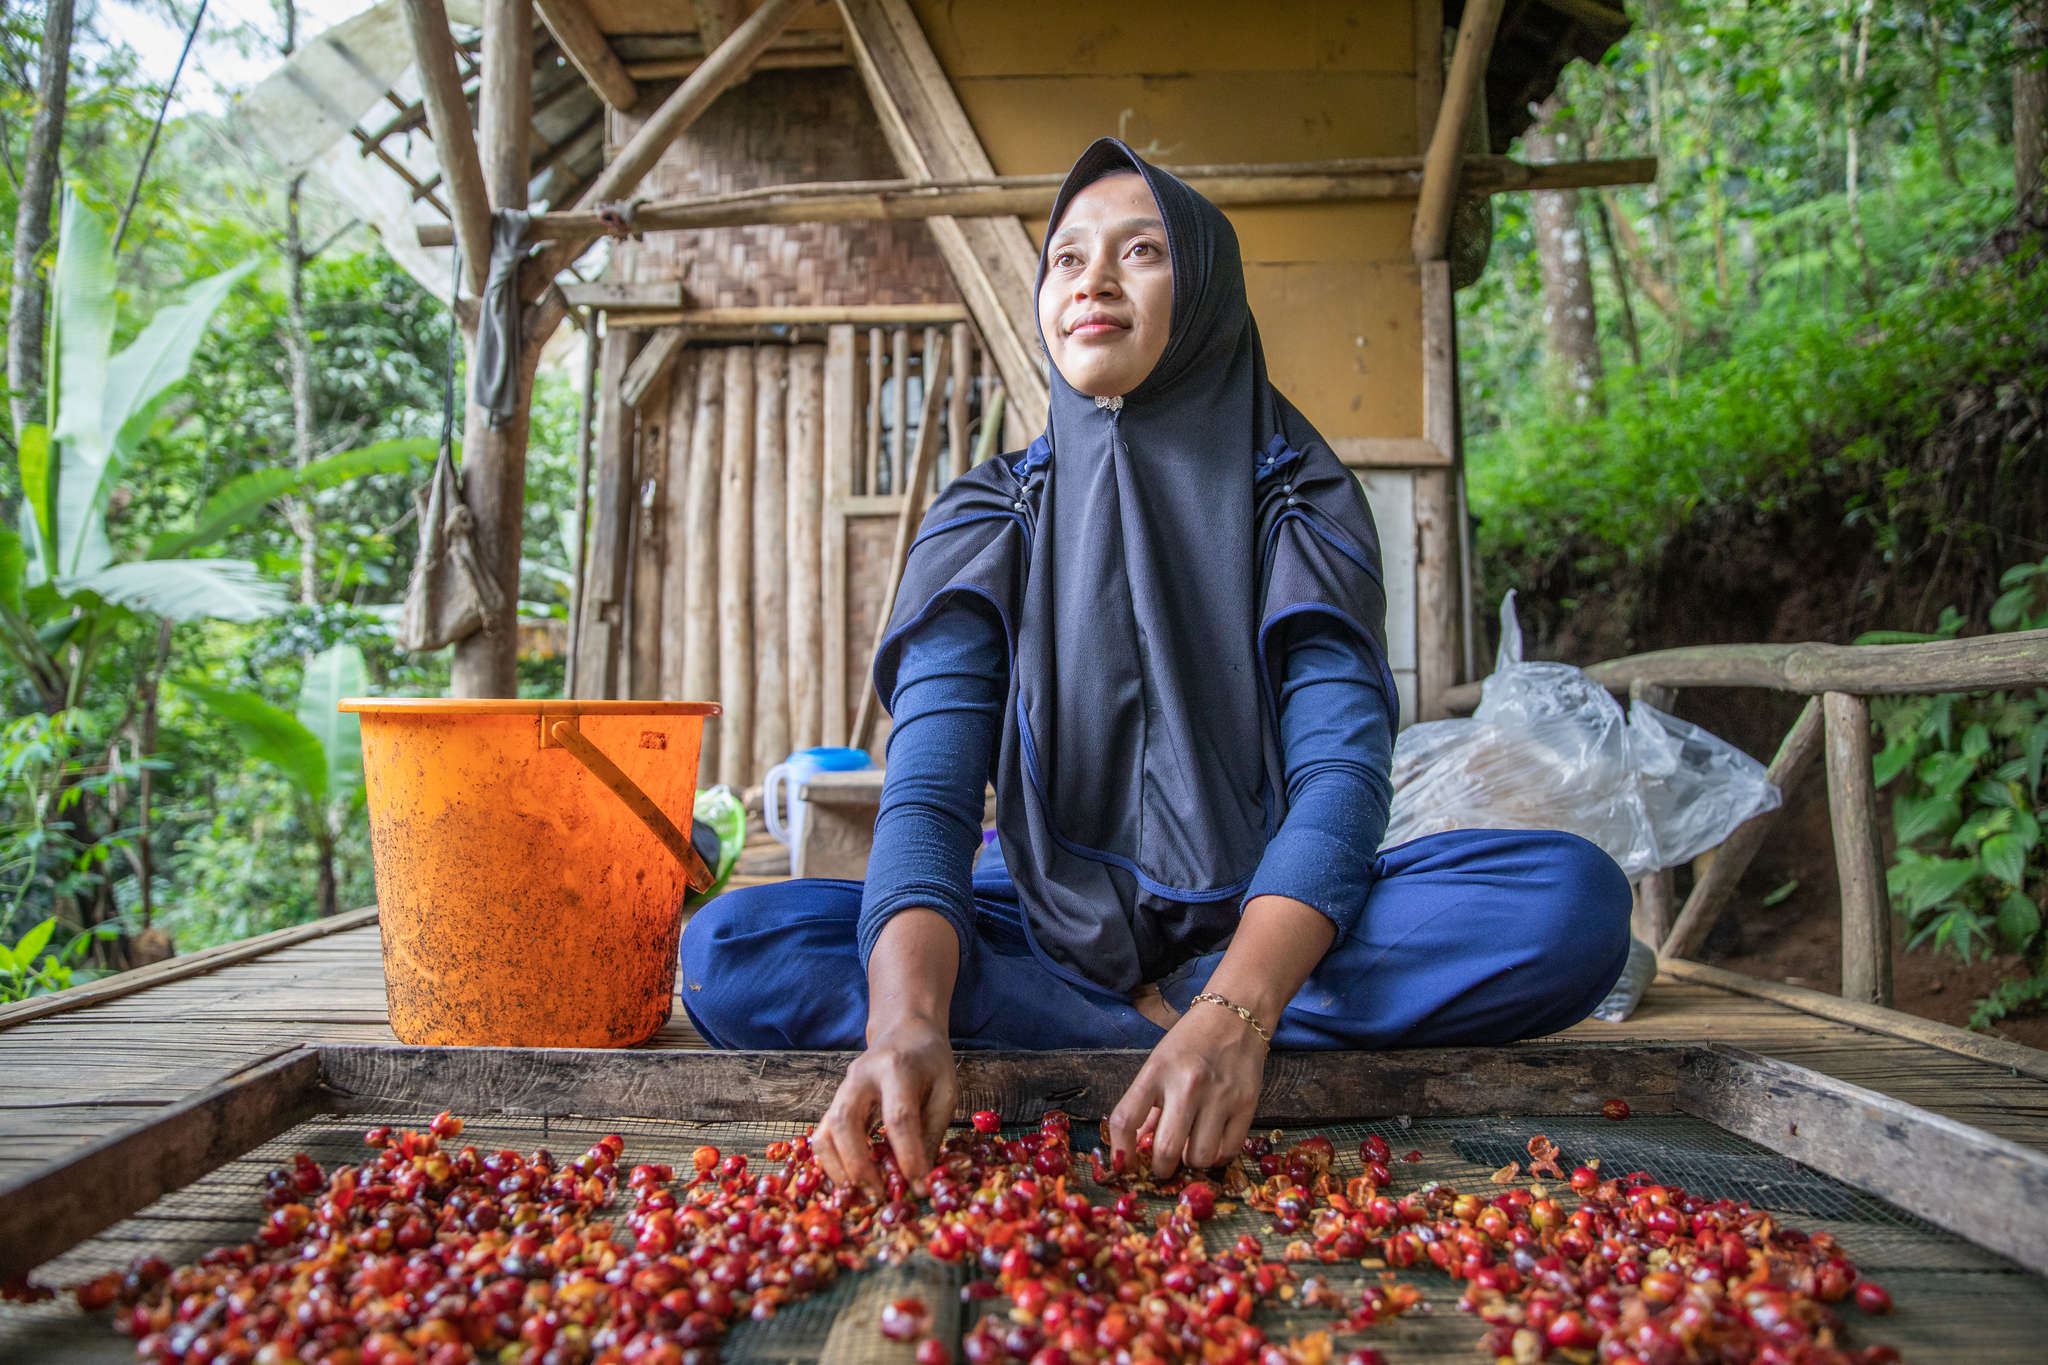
x,y
1161,631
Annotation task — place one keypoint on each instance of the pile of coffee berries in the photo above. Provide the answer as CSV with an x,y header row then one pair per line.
x,y
423,1256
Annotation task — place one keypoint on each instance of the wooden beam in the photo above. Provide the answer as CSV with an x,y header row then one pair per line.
x,y
993,263
717,1086
448,118
1983,662
1389,452
65,1203
654,358
1432,233
609,295
1985,1189
1438,594
578,36
796,315
808,58
1732,859
1998,1052
912,484
1859,857
725,67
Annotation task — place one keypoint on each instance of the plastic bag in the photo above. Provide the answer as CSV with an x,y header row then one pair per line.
x,y
1549,748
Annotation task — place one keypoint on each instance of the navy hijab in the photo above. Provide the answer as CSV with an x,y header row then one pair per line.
x,y
1145,558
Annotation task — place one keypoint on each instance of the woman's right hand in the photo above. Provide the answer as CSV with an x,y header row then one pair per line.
x,y
906,1076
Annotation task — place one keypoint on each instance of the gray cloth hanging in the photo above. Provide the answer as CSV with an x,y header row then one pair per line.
x,y
451,593
494,370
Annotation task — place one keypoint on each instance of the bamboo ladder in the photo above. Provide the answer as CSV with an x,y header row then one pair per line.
x,y
1839,681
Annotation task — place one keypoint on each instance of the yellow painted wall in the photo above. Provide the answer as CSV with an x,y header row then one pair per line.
x,y
1192,82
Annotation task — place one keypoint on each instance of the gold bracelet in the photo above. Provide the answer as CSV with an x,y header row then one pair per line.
x,y
1239,1010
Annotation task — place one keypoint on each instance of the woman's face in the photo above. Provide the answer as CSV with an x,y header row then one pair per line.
x,y
1106,305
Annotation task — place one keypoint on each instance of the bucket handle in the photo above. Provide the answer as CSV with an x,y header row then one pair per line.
x,y
565,733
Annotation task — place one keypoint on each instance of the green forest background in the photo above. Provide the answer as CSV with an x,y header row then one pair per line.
x,y
1808,403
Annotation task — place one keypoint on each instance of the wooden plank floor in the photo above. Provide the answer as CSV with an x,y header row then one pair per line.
x,y
69,1078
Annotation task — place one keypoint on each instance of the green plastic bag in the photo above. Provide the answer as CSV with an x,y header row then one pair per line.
x,y
720,808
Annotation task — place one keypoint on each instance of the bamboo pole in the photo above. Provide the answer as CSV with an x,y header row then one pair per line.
x,y
957,444
1355,180
604,580
735,572
771,559
907,520
447,111
650,468
803,540
586,413
700,550
1443,163
841,405
899,406
684,456
871,481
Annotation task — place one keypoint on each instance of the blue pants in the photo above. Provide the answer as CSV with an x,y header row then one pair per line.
x,y
1472,937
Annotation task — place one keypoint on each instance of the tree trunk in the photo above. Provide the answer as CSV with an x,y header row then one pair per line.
x,y
1944,138
32,220
2029,100
1852,81
1621,289
1567,275
298,347
323,847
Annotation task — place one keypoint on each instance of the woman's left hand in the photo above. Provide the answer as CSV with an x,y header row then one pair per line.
x,y
1196,1093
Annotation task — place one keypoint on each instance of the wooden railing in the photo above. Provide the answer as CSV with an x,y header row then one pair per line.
x,y
1841,680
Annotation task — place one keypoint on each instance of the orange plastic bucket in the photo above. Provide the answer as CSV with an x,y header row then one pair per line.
x,y
531,860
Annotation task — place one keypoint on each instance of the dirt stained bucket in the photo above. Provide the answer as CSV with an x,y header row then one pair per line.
x,y
531,862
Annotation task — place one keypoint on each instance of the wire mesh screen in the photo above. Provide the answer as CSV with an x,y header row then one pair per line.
x,y
1950,1294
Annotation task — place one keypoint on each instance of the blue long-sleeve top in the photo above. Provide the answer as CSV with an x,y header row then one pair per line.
x,y
1336,742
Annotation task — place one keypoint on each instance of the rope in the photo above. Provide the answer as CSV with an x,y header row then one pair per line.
x,y
156,129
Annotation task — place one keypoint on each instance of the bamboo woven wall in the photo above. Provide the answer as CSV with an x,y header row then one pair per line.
x,y
783,127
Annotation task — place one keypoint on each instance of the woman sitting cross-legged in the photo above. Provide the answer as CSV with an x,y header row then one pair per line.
x,y
1160,631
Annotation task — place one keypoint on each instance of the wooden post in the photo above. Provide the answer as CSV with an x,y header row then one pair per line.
x,y
650,471
771,559
604,586
448,121
1717,883
1655,894
1859,854
684,456
803,541
915,480
699,559
494,458
957,442
735,572
842,444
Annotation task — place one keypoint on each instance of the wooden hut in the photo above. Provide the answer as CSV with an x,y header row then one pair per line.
x,y
842,242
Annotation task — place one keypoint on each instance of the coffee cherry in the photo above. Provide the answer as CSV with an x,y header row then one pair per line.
x,y
905,1319
1615,1109
987,1121
932,1351
1872,1298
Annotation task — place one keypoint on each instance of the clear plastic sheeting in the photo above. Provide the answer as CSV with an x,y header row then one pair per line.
x,y
1550,748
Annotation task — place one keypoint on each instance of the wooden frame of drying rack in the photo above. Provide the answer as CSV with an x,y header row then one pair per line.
x,y
1982,1188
